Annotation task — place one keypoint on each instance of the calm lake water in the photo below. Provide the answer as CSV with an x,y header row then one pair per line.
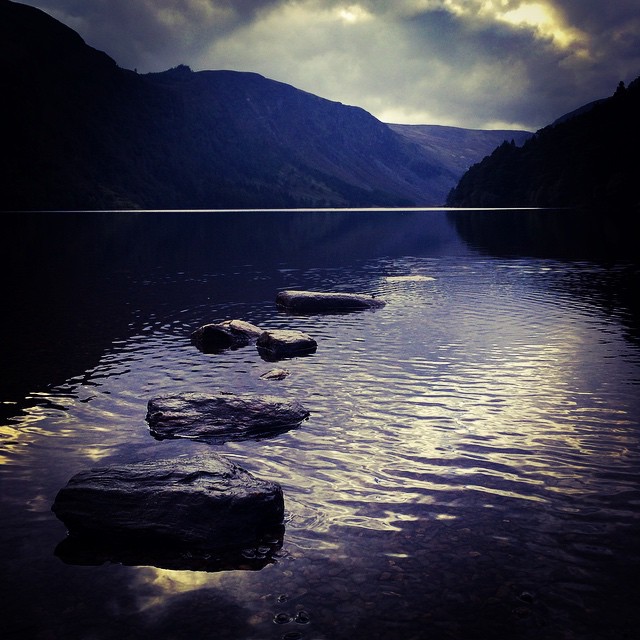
x,y
471,465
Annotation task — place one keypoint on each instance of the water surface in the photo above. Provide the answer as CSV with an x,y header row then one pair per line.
x,y
470,468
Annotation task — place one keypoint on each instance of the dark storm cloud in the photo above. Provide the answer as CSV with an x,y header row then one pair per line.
x,y
613,29
483,60
153,34
473,63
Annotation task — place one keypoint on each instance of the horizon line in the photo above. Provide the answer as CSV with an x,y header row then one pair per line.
x,y
280,209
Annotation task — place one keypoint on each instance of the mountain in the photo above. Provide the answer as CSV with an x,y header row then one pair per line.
x,y
79,132
587,158
576,112
457,149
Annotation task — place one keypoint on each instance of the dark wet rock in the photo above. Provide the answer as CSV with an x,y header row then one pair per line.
x,y
222,417
284,343
302,617
318,302
275,374
201,514
282,618
215,337
527,597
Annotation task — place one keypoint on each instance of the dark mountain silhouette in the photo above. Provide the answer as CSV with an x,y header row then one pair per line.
x,y
587,158
576,112
79,132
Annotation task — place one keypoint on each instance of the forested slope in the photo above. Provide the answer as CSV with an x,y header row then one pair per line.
x,y
587,159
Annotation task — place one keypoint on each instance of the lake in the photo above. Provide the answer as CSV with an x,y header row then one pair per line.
x,y
471,464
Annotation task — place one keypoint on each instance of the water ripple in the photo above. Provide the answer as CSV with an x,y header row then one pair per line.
x,y
483,397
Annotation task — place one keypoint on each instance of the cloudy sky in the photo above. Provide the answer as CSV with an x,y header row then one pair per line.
x,y
468,63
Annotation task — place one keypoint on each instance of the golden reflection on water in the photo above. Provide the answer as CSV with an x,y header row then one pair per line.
x,y
52,420
161,584
9,437
506,392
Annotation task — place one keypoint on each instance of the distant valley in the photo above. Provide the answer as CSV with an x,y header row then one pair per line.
x,y
457,149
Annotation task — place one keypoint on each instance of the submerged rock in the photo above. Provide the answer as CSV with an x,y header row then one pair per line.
x,y
172,513
214,337
410,278
219,418
284,343
318,302
275,374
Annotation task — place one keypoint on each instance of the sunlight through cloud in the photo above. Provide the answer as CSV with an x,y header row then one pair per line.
x,y
542,19
539,17
353,13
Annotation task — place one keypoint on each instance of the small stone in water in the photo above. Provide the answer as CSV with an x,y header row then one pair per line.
x,y
302,617
282,597
410,278
275,374
282,618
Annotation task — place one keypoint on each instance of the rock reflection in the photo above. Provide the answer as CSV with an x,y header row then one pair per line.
x,y
83,551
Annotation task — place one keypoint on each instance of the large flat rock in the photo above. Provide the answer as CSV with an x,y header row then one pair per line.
x,y
175,512
332,302
222,417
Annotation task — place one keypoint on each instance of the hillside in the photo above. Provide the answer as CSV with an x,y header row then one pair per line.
x,y
584,159
456,149
79,132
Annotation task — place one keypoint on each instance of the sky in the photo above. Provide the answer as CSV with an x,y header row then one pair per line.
x,y
480,64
